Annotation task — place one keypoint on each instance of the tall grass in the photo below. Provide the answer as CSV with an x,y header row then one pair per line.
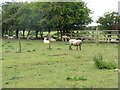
x,y
102,64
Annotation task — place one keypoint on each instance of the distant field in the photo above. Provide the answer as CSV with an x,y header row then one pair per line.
x,y
37,67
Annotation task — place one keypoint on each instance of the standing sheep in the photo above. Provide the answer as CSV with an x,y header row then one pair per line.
x,y
74,42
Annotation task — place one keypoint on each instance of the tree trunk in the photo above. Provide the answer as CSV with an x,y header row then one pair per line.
x,y
28,33
49,38
41,34
23,33
36,34
17,34
3,33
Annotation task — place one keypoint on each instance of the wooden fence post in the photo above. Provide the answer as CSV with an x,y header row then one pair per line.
x,y
20,45
49,41
97,38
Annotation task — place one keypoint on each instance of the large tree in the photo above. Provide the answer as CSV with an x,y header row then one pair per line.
x,y
109,21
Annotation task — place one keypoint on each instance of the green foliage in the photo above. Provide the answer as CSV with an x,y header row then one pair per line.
x,y
74,85
108,21
85,32
75,78
42,16
15,78
101,64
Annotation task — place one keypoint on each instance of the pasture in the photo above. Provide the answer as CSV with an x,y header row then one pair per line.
x,y
39,67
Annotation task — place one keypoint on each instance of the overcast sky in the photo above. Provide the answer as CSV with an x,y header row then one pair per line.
x,y
99,7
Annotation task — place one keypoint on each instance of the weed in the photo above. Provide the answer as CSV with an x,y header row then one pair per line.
x,y
7,51
58,48
28,50
77,57
82,78
101,64
10,46
33,50
1,58
15,78
6,82
68,78
76,78
74,85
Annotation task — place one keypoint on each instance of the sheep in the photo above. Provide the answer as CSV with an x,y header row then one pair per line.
x,y
65,38
74,42
52,39
10,37
30,37
45,40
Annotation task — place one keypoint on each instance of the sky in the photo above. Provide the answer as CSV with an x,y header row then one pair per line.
x,y
99,7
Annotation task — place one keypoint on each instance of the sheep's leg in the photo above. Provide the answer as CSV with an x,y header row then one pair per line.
x,y
80,46
70,48
65,39
77,47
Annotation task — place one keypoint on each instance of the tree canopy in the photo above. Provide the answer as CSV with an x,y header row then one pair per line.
x,y
109,21
44,16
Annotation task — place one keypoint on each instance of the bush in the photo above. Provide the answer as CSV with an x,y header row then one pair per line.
x,y
101,64
76,78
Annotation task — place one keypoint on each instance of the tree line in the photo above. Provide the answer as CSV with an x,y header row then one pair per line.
x,y
44,16
52,16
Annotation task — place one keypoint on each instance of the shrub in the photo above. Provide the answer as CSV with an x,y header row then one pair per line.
x,y
101,64
76,78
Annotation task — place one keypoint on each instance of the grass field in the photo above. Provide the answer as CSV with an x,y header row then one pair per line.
x,y
37,67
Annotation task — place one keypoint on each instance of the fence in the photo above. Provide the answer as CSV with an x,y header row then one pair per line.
x,y
97,36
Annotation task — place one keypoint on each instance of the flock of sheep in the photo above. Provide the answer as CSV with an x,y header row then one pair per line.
x,y
72,42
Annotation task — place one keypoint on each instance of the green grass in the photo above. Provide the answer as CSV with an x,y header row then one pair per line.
x,y
41,68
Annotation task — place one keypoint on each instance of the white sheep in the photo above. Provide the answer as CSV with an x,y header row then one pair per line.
x,y
45,40
65,38
74,42
52,39
10,37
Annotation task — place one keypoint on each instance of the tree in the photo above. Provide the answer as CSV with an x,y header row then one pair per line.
x,y
109,21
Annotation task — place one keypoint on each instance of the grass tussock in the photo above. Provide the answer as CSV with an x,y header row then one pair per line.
x,y
102,64
76,78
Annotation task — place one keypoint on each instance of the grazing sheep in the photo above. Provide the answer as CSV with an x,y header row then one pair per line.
x,y
10,37
65,38
52,39
74,42
30,37
45,40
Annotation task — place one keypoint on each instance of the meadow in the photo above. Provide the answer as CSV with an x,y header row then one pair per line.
x,y
39,67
